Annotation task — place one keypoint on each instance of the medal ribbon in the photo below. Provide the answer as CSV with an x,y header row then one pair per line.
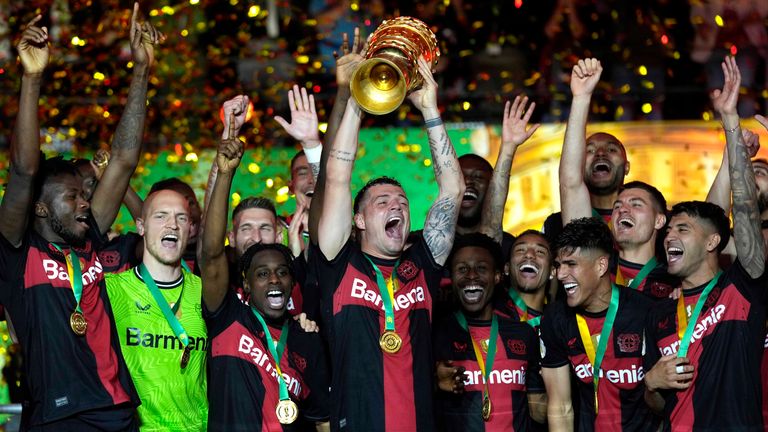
x,y
682,316
640,277
387,297
533,322
162,303
75,274
485,366
596,357
276,352
598,215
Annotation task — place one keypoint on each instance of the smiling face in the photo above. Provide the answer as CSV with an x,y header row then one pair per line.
x,y
531,263
384,220
635,220
688,243
302,183
605,165
580,272
251,226
64,208
477,175
165,225
473,275
269,283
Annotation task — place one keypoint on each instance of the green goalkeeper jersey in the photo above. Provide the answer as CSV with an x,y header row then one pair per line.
x,y
172,397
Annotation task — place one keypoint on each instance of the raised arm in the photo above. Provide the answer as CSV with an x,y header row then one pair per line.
x,y
440,225
335,221
126,144
214,270
345,67
25,144
574,195
747,235
514,132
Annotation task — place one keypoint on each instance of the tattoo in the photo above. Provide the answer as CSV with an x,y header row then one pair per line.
x,y
342,155
440,228
315,167
746,216
442,150
131,126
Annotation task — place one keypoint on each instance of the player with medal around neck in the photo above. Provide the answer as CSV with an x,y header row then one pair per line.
x,y
172,300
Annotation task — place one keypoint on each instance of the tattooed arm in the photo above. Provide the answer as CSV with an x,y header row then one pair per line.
x,y
25,145
747,235
440,225
345,67
574,195
335,219
514,132
126,144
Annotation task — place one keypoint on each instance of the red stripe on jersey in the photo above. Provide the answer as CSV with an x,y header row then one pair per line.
x,y
359,289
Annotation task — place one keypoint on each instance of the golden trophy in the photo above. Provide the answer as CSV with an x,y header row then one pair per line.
x,y
390,71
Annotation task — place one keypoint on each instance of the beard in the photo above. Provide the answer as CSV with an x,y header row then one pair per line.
x,y
66,234
762,201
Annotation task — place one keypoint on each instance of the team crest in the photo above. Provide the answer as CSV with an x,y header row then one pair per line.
x,y
407,270
628,342
659,290
109,258
517,347
460,346
299,361
714,296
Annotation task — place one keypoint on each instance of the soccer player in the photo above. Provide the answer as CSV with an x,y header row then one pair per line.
x,y
595,336
157,316
593,166
495,359
705,348
376,296
639,209
51,279
531,270
253,383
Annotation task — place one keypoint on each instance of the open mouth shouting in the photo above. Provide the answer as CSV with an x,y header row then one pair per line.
x,y
528,270
601,168
570,288
169,241
674,254
624,223
472,294
82,220
309,193
275,299
470,198
393,227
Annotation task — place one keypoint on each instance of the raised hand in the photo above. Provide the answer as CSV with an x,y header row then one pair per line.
x,y
303,125
585,76
299,225
514,126
33,47
347,63
230,150
143,38
236,107
725,100
752,141
425,97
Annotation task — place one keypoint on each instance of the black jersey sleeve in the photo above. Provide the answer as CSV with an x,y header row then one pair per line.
x,y
316,407
553,344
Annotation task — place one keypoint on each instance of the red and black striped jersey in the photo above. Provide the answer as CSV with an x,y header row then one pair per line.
x,y
621,389
66,374
243,389
515,373
725,350
372,390
657,285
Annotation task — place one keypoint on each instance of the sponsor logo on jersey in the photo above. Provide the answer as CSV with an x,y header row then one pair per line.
x,y
142,309
261,359
497,376
109,258
710,320
54,270
138,338
402,300
632,375
460,346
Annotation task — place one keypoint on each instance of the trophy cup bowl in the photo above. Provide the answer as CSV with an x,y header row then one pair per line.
x,y
390,71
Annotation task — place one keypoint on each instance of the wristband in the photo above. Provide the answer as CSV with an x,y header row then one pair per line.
x,y
437,121
731,130
313,154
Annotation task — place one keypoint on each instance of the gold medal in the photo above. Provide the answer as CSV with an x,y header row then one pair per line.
x,y
185,356
78,323
486,408
286,411
390,342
